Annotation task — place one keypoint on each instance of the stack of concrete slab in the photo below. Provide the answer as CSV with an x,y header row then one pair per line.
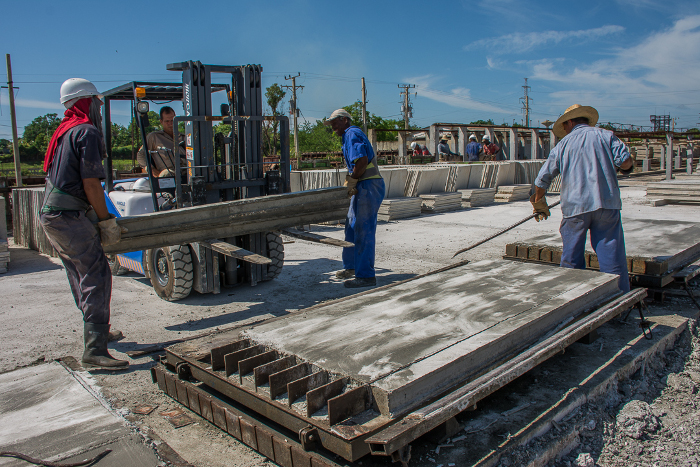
x,y
555,186
685,190
399,208
315,179
395,182
441,202
496,174
527,171
423,181
458,178
4,250
475,197
510,193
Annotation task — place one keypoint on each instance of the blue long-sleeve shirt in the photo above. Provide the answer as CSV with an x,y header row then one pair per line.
x,y
473,149
586,159
356,145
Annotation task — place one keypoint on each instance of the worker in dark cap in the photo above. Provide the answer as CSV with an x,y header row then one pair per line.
x,y
366,187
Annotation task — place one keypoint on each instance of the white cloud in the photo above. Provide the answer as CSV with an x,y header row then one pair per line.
x,y
456,97
519,42
36,104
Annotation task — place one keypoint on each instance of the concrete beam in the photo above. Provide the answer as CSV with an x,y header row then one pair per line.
x,y
433,141
372,136
513,144
463,135
403,148
534,144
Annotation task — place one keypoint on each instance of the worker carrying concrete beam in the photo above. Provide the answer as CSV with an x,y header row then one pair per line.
x,y
587,158
75,218
366,187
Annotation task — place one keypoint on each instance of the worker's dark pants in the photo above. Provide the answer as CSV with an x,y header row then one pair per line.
x,y
78,245
607,240
361,227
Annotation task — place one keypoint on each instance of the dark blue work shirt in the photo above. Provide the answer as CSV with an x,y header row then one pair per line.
x,y
77,156
355,146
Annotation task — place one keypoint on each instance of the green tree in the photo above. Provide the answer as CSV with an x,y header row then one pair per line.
x,y
377,122
274,95
317,137
483,122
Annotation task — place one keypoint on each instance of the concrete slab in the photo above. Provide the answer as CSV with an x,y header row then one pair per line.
x,y
48,414
475,173
440,180
462,177
415,340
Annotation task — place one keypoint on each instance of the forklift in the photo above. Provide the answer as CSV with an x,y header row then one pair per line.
x,y
218,167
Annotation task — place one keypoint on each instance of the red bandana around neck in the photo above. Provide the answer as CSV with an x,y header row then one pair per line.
x,y
76,115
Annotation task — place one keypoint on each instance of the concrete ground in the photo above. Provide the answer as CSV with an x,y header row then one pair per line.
x,y
41,323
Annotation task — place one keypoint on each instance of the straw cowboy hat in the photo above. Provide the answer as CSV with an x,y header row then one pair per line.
x,y
572,112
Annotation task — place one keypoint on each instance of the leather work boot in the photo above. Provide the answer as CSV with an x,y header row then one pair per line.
x,y
96,354
345,274
361,282
115,335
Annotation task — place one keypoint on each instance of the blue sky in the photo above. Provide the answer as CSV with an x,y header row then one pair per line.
x,y
629,59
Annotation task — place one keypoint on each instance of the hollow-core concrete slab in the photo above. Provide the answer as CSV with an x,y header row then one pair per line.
x,y
417,339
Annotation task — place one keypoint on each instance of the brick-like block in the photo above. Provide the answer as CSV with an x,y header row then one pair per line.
x,y
546,255
594,262
533,253
300,458
182,393
511,250
205,407
639,266
248,434
233,425
265,446
556,256
522,251
219,415
629,264
283,453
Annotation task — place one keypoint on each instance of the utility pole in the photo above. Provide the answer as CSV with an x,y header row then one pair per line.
x,y
364,107
526,103
295,111
406,108
13,117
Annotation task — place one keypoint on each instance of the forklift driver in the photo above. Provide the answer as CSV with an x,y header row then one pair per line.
x,y
160,145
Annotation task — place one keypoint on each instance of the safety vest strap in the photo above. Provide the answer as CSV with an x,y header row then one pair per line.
x,y
58,200
372,171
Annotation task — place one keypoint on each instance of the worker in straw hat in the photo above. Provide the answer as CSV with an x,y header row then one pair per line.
x,y
366,189
587,158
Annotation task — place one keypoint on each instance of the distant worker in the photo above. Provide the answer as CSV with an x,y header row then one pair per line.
x,y
160,146
366,187
473,148
74,204
587,158
490,149
444,151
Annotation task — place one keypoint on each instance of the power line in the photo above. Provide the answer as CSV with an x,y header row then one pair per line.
x,y
406,108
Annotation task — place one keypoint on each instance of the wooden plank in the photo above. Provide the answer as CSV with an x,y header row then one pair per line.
x,y
217,353
351,403
317,238
278,381
298,388
231,360
317,398
236,252
261,374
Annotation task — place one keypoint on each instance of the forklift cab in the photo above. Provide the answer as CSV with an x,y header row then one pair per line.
x,y
219,167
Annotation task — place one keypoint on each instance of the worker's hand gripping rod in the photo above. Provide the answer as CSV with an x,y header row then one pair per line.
x,y
532,216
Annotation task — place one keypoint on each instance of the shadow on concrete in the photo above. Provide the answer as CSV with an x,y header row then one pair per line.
x,y
26,261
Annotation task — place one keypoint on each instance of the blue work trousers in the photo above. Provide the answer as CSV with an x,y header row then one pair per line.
x,y
607,240
77,243
361,227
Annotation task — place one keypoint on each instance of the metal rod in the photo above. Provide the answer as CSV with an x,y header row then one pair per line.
x,y
532,216
13,117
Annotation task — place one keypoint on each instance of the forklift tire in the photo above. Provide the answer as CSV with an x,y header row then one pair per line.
x,y
275,251
114,267
171,271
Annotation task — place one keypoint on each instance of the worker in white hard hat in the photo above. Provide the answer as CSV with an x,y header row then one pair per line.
x,y
473,148
366,189
587,158
74,204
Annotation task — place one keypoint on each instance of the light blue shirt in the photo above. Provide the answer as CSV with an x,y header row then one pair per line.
x,y
586,159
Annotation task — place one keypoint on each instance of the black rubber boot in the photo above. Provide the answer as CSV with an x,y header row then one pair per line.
x,y
361,282
96,354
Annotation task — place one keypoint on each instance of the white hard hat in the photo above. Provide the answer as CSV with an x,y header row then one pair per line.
x,y
486,138
142,184
413,145
472,136
76,88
